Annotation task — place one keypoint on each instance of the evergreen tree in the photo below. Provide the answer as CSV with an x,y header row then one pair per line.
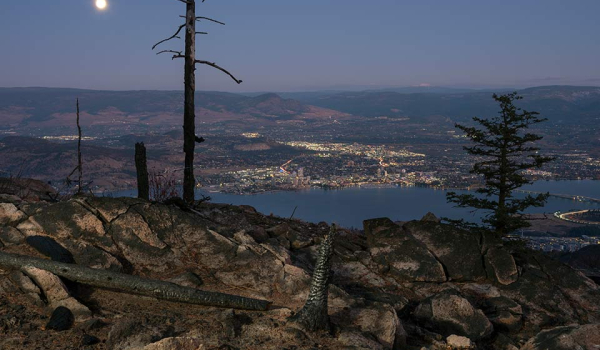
x,y
505,150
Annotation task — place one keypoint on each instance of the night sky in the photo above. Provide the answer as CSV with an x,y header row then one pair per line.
x,y
285,45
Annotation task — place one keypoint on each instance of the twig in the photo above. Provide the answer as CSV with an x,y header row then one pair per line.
x,y
171,37
212,64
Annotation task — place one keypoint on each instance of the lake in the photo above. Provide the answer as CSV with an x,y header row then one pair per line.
x,y
349,207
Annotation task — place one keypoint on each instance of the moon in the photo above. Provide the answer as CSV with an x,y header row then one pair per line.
x,y
101,4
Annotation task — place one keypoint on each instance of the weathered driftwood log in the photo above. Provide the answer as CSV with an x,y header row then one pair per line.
x,y
133,284
313,316
141,167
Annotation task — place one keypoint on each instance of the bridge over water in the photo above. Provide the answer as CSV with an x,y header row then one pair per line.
x,y
564,196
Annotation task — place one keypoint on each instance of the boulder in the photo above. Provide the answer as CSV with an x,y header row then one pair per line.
x,y
501,266
10,236
504,313
448,313
430,217
380,320
586,337
61,320
27,286
459,251
399,254
10,214
56,292
458,342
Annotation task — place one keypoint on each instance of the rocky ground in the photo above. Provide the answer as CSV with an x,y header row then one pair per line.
x,y
405,285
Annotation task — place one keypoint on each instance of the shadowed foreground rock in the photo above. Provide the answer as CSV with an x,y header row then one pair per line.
x,y
314,315
397,285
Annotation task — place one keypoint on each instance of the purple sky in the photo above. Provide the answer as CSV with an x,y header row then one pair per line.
x,y
278,45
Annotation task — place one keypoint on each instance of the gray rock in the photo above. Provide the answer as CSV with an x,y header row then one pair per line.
x,y
458,250
10,214
61,320
11,236
585,337
504,313
458,342
187,279
501,266
430,217
399,254
56,292
449,313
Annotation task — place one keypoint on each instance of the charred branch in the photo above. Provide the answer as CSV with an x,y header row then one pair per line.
x,y
199,139
212,64
172,36
133,284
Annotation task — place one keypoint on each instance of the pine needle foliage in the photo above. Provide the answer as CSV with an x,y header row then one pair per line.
x,y
504,149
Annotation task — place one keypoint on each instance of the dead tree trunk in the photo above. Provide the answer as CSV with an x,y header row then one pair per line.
x,y
189,114
314,315
141,168
134,284
79,163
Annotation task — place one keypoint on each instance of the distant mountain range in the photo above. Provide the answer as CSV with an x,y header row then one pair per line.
x,y
560,104
22,107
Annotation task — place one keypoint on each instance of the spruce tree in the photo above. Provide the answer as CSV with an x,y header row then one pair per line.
x,y
504,151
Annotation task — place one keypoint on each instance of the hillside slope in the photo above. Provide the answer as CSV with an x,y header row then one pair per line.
x,y
395,285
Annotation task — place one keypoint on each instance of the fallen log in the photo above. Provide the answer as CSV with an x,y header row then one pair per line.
x,y
133,284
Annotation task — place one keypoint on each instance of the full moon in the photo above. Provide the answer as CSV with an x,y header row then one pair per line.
x,y
101,4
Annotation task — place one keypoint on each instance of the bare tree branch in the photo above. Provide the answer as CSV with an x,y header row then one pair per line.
x,y
212,64
201,33
171,51
198,18
172,37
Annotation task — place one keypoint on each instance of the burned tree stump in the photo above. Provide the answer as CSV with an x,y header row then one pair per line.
x,y
141,167
314,315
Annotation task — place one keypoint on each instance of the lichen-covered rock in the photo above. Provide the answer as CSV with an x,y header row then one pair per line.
x,y
449,313
399,254
585,337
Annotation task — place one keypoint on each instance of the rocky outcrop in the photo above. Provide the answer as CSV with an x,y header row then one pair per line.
x,y
397,285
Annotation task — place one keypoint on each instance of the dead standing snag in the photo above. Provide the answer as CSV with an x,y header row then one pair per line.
x,y
189,116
